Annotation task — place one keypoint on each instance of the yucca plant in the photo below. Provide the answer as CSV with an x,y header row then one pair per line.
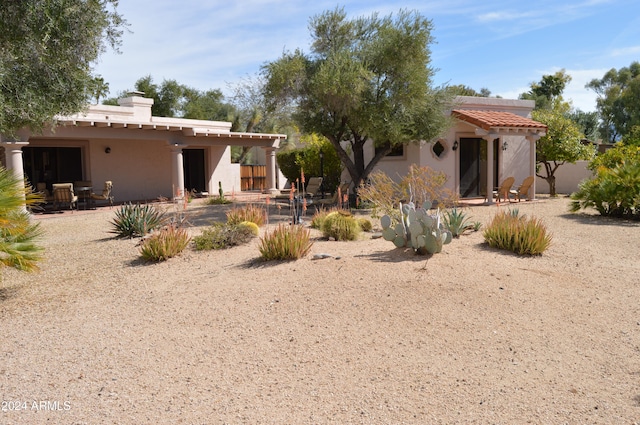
x,y
519,234
249,212
137,220
18,235
285,242
225,235
165,243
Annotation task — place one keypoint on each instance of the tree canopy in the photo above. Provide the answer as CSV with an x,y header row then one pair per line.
x,y
365,79
47,49
618,94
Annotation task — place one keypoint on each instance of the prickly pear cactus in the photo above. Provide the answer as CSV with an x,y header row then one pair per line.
x,y
418,229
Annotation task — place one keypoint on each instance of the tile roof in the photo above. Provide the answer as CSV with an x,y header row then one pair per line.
x,y
488,120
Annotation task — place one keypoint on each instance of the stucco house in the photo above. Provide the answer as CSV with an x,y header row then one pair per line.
x,y
491,139
146,157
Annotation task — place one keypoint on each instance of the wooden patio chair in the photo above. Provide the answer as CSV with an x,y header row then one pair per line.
x,y
523,189
503,191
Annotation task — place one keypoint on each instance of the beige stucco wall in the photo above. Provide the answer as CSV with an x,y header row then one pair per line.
x,y
568,177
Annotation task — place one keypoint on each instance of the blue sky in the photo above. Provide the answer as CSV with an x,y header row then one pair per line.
x,y
498,44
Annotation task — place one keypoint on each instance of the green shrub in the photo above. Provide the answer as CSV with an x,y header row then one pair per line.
x,y
612,192
522,235
216,200
365,224
224,235
249,212
457,222
137,220
285,242
341,226
164,244
255,230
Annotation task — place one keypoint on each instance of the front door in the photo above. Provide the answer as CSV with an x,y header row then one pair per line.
x,y
194,179
473,167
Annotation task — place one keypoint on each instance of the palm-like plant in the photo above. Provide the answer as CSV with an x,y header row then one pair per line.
x,y
18,235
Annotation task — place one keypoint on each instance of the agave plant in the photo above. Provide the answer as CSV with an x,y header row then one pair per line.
x,y
137,220
457,222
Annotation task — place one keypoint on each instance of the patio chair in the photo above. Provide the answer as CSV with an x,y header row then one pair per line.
x,y
523,189
63,194
42,188
503,191
106,193
313,187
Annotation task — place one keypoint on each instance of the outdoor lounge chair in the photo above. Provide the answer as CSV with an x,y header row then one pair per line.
x,y
106,193
503,191
313,187
523,189
63,194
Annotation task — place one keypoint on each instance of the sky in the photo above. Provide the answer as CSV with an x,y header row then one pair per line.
x,y
501,45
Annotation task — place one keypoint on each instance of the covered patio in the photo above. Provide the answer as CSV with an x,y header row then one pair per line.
x,y
146,157
497,128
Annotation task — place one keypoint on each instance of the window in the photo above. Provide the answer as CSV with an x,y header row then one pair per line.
x,y
396,151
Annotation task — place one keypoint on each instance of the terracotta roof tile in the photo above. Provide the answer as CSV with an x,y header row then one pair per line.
x,y
496,119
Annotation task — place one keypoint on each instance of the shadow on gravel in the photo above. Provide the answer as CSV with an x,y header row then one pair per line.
x,y
598,220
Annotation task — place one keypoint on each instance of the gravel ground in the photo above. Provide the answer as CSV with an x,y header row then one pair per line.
x,y
374,335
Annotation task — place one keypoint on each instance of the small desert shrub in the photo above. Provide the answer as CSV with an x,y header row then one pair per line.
x,y
457,222
285,242
137,220
216,200
249,212
225,235
341,226
255,230
419,185
522,235
164,244
365,224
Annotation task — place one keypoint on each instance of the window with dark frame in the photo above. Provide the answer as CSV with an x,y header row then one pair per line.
x,y
396,151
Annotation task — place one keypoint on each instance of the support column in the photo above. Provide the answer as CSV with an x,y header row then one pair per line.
x,y
490,142
14,159
532,163
271,170
177,172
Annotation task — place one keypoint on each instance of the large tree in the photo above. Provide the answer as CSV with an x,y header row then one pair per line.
x,y
365,79
560,145
618,101
47,50
548,89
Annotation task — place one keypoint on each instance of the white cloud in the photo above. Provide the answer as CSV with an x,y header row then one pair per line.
x,y
626,51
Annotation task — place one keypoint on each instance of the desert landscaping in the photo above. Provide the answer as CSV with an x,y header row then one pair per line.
x,y
369,335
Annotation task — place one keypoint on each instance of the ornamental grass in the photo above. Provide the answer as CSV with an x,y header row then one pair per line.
x,y
512,232
249,212
285,242
164,244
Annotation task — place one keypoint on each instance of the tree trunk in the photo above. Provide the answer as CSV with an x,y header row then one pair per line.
x,y
552,185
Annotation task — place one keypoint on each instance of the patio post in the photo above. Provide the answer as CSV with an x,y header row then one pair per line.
x,y
177,172
490,138
271,170
532,138
14,158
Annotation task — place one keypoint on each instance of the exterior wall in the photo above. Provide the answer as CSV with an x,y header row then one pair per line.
x,y
139,170
568,177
